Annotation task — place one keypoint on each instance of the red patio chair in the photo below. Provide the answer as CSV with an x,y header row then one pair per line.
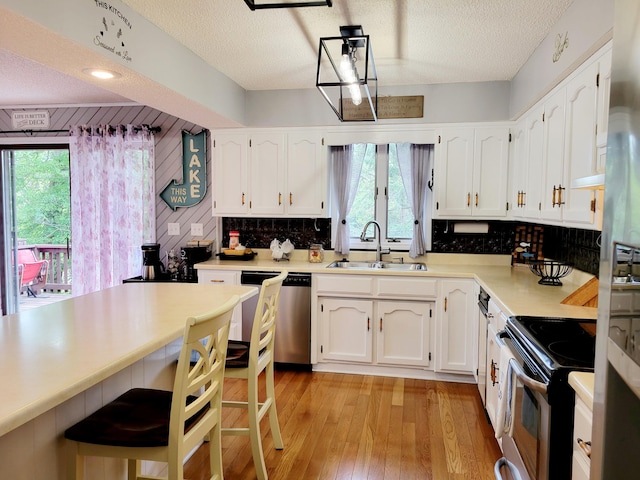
x,y
32,272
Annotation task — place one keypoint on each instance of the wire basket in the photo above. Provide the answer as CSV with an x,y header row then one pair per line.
x,y
550,272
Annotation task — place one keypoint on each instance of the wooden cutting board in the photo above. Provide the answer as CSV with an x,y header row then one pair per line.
x,y
585,296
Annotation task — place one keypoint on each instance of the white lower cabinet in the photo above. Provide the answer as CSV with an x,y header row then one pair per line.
x,y
375,320
581,440
399,330
226,277
456,327
345,330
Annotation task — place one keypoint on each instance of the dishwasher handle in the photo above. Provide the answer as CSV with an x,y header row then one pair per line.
x,y
294,279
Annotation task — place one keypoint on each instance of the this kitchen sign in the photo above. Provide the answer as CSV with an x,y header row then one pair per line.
x,y
193,187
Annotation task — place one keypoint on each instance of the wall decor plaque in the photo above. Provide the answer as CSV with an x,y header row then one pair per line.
x,y
388,108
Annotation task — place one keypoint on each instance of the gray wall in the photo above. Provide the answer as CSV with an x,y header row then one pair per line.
x,y
168,159
589,25
443,103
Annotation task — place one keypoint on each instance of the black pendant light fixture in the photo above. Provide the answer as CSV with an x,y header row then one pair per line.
x,y
262,5
347,76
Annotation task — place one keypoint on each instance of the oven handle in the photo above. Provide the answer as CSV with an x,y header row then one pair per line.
x,y
503,462
519,371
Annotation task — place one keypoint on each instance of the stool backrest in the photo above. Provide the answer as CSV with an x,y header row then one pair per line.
x,y
207,335
264,320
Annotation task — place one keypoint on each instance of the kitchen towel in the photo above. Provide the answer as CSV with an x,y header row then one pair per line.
x,y
506,393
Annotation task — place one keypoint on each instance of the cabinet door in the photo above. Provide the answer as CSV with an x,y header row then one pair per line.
x,y
518,172
218,277
454,172
493,363
533,160
346,329
306,193
602,116
403,332
230,174
266,182
580,145
481,371
553,155
490,172
456,335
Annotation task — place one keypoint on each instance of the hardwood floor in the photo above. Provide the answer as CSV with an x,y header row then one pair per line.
x,y
338,426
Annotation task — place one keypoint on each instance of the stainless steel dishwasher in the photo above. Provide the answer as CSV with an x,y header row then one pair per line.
x,y
293,324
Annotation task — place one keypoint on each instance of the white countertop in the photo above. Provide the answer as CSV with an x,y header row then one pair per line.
x,y
54,352
516,289
582,383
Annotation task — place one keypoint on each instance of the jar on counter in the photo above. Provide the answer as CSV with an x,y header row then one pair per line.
x,y
234,239
316,253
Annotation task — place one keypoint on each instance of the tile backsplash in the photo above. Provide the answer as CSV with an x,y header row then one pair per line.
x,y
259,232
576,246
579,247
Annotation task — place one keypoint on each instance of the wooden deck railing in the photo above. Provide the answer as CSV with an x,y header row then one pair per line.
x,y
59,257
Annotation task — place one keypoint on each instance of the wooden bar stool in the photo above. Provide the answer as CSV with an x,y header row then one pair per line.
x,y
157,425
247,360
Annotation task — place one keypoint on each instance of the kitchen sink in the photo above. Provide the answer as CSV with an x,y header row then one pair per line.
x,y
378,266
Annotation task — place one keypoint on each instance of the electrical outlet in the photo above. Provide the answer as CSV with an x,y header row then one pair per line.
x,y
197,230
173,228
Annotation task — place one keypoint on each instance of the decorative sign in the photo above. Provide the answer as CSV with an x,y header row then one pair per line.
x,y
561,44
32,120
193,187
112,30
388,107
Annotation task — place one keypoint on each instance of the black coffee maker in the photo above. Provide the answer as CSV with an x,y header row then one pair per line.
x,y
152,267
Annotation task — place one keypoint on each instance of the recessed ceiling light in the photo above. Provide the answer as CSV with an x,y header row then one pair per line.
x,y
101,74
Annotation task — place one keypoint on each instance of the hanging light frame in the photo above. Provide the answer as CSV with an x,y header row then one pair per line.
x,y
261,6
334,85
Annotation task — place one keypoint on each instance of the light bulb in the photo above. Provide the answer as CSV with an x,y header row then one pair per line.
x,y
356,96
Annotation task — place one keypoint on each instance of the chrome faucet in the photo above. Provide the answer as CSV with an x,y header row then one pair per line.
x,y
379,251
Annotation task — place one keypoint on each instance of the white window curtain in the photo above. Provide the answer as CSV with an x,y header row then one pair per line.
x,y
346,169
414,161
112,203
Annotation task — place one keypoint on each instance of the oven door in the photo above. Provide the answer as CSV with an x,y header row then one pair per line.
x,y
528,448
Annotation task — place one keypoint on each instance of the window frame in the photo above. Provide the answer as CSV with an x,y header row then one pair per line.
x,y
381,206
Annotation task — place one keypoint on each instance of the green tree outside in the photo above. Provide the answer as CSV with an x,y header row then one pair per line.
x,y
42,196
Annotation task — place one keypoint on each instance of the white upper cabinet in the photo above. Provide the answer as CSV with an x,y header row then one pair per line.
x,y
471,172
266,179
533,163
454,172
580,144
553,187
270,174
564,140
230,174
518,169
307,183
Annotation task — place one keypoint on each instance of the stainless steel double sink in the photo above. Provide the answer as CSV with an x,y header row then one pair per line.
x,y
378,266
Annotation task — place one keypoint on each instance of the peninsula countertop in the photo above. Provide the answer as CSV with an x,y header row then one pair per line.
x,y
514,288
54,352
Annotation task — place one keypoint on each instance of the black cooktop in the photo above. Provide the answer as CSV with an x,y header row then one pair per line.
x,y
556,343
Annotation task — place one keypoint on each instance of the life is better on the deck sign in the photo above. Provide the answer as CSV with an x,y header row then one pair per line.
x,y
193,187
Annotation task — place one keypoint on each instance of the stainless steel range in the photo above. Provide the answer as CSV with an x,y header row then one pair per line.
x,y
545,350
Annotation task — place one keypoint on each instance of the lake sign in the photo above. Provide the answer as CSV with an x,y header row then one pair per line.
x,y
193,187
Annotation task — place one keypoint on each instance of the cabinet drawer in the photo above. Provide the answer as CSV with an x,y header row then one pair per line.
x,y
217,277
406,287
344,284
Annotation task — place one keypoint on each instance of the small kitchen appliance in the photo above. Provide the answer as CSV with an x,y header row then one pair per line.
x,y
152,267
190,256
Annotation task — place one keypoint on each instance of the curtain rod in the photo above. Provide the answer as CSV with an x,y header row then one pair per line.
x,y
111,129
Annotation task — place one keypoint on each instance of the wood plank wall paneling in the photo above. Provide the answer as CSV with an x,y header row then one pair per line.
x,y
168,159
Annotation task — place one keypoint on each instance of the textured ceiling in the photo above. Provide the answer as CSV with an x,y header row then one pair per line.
x,y
413,41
